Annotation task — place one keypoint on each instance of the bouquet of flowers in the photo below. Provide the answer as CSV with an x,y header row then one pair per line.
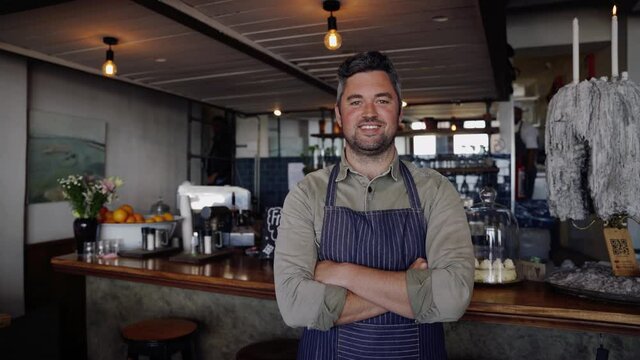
x,y
87,194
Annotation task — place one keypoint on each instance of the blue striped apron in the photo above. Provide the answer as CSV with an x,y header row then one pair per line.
x,y
383,239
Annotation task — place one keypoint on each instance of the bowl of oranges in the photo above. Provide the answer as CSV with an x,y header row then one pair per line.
x,y
125,224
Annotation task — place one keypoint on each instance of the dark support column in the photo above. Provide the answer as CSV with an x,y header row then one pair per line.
x,y
230,117
279,134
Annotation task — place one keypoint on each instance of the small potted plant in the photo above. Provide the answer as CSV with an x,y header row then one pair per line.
x,y
87,195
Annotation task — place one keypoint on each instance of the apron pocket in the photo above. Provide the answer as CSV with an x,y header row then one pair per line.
x,y
370,341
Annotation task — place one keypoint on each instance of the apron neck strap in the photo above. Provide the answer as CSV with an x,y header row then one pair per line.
x,y
410,185
414,199
330,199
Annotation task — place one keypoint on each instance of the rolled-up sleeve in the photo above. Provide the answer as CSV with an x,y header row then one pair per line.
x,y
302,301
443,291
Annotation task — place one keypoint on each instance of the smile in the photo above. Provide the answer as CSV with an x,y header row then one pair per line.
x,y
370,127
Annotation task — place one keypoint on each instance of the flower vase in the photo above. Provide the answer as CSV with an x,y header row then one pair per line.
x,y
84,230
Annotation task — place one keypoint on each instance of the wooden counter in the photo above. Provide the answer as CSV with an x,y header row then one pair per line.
x,y
537,304
527,303
236,274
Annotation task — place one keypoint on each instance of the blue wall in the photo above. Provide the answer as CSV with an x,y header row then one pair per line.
x,y
273,179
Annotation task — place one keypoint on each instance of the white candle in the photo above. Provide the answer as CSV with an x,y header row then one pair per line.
x,y
576,51
614,44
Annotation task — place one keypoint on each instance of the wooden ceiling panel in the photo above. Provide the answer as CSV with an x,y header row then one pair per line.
x,y
251,55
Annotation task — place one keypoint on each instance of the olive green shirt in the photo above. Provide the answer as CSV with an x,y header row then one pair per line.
x,y
440,293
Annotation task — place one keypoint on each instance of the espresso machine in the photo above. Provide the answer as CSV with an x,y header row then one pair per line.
x,y
223,210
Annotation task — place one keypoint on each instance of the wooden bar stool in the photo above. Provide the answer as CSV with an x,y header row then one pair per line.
x,y
160,338
280,349
5,320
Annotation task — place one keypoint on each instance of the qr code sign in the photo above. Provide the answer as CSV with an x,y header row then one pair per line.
x,y
620,247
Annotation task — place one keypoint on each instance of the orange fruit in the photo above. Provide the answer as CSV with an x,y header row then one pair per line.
x,y
139,218
108,215
120,215
131,219
149,220
167,216
128,208
158,218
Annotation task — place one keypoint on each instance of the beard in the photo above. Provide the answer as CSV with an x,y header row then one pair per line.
x,y
367,147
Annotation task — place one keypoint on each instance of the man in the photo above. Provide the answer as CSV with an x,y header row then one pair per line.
x,y
373,253
526,152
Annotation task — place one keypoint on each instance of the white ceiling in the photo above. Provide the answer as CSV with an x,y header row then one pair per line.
x,y
286,65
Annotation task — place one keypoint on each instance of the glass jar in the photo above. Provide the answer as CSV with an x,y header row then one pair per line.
x,y
494,233
159,207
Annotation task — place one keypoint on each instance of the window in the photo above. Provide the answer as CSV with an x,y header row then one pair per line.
x,y
470,143
418,125
424,145
402,145
474,124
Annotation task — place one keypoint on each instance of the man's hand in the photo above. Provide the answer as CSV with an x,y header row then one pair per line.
x,y
356,308
420,264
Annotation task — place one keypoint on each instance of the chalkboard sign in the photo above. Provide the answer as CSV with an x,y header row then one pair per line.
x,y
270,232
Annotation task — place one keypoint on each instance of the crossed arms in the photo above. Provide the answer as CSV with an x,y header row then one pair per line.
x,y
321,294
371,292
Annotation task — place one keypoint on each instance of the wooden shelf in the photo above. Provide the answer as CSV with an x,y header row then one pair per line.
x,y
412,133
467,170
327,136
480,117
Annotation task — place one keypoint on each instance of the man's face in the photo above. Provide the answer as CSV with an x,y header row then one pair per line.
x,y
368,112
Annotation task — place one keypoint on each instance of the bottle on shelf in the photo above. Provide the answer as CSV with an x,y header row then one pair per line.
x,y
207,241
336,128
234,211
194,243
151,239
143,243
464,188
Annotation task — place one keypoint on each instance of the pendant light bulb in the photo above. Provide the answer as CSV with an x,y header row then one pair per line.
x,y
333,39
109,67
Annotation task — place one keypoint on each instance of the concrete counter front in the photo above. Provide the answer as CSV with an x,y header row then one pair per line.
x,y
233,300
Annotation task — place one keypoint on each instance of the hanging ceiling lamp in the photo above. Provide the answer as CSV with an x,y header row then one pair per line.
x,y
109,67
332,40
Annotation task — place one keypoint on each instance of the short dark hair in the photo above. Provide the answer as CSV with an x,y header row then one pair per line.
x,y
364,62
